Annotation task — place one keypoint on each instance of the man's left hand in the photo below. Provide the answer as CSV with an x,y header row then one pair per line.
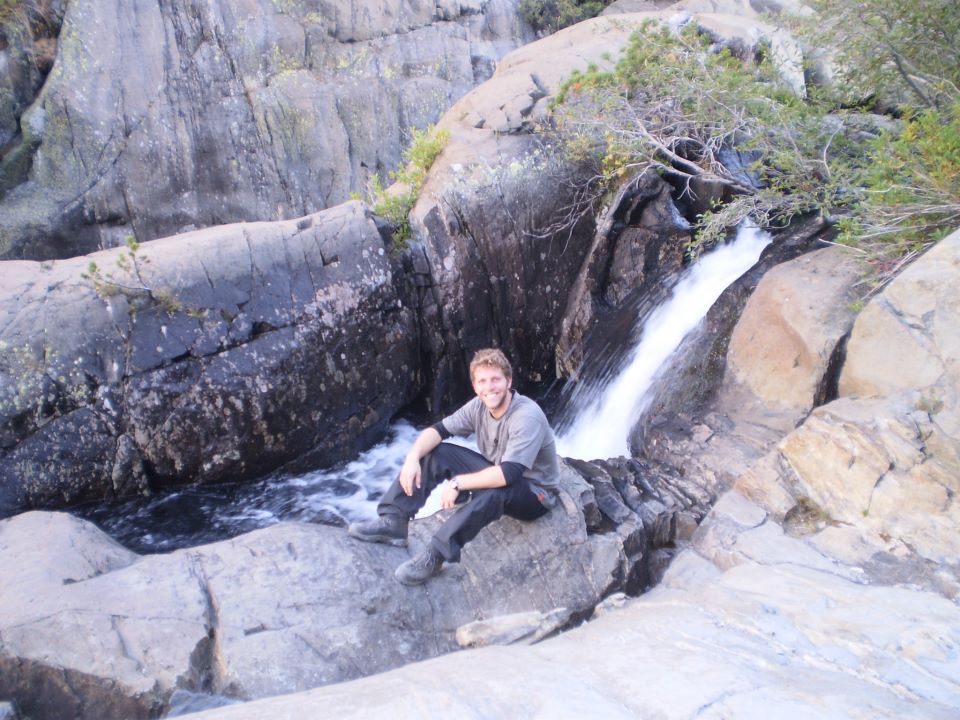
x,y
448,496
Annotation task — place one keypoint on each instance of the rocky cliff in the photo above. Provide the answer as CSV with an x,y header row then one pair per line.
x,y
824,582
158,117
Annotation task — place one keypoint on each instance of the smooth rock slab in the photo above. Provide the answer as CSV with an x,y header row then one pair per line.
x,y
752,642
94,631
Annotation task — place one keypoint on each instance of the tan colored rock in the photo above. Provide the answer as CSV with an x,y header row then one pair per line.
x,y
867,463
907,338
781,347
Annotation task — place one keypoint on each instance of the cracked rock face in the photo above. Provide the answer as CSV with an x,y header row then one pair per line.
x,y
212,356
160,117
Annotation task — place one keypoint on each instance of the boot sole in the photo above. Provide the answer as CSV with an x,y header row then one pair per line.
x,y
382,539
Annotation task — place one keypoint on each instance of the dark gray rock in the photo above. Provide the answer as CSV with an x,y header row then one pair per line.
x,y
219,355
160,118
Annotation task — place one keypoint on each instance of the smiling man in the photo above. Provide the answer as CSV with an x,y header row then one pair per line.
x,y
515,473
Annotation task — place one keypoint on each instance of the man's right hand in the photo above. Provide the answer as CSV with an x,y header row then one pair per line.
x,y
410,475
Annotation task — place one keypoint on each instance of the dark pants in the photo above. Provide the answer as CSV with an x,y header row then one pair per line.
x,y
475,510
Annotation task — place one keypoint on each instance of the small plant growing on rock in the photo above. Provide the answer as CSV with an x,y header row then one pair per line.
x,y
134,285
396,202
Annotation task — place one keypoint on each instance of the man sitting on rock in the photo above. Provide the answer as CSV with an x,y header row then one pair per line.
x,y
516,472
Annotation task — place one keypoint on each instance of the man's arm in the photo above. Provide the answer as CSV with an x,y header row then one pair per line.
x,y
426,441
491,477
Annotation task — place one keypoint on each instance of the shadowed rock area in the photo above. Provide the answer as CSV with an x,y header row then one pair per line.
x,y
212,356
161,117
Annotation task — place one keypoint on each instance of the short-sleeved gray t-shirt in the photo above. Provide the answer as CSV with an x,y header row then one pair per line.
x,y
522,435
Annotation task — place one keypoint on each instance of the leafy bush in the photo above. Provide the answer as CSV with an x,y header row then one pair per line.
x,y
395,203
907,52
677,105
546,16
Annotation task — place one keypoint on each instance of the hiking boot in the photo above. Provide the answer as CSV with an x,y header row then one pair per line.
x,y
387,529
419,569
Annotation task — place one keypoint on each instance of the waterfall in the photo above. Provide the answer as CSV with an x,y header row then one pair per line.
x,y
604,410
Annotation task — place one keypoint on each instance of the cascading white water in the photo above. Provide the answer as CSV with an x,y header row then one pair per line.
x,y
604,418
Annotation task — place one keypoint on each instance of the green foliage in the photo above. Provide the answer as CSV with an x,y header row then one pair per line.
x,y
677,105
551,15
396,202
132,284
911,182
907,52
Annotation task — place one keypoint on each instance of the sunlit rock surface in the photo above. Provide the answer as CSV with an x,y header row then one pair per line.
x,y
91,630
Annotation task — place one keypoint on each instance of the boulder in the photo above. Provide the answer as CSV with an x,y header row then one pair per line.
x,y
786,345
160,118
215,355
91,630
877,471
906,340
755,640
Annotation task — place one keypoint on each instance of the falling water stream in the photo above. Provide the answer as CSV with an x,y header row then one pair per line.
x,y
600,413
595,422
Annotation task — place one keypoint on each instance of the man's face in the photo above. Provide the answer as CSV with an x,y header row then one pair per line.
x,y
492,387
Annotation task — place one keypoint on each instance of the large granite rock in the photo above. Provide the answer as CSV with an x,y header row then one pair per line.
x,y
875,474
776,631
91,630
159,117
216,355
786,346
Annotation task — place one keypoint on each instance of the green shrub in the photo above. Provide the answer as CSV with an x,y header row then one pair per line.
x,y
548,16
676,105
395,203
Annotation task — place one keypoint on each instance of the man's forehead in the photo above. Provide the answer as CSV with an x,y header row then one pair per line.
x,y
487,369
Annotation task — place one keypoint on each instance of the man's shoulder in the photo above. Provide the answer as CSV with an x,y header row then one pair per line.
x,y
526,408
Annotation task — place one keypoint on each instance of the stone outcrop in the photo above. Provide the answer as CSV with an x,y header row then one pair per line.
x,y
511,260
160,117
91,630
879,465
754,641
215,355
788,338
